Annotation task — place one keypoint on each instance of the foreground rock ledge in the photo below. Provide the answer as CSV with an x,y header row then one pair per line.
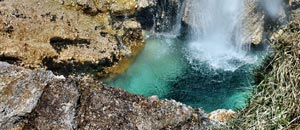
x,y
40,100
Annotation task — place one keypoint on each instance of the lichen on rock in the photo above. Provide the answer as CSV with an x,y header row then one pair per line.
x,y
40,100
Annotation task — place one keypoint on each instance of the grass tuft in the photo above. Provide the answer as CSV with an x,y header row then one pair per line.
x,y
275,103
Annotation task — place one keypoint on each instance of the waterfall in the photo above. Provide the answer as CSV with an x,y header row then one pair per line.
x,y
272,7
209,68
215,39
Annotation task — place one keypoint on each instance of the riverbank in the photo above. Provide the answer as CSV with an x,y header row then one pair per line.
x,y
275,101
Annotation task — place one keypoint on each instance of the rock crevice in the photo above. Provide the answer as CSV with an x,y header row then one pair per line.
x,y
43,34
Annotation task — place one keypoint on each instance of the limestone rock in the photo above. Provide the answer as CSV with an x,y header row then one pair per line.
x,y
115,7
20,90
221,115
56,108
66,36
120,110
40,100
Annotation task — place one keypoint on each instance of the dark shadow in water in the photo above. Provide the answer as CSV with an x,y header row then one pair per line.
x,y
211,89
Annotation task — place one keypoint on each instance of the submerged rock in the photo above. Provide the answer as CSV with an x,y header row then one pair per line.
x,y
40,100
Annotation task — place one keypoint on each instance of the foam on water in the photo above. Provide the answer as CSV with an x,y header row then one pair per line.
x,y
163,69
216,40
212,70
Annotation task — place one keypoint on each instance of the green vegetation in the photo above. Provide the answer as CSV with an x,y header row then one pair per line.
x,y
276,100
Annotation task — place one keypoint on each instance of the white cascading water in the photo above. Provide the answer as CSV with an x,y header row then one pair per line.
x,y
273,7
215,39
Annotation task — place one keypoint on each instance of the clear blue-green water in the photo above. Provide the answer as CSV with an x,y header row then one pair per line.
x,y
164,69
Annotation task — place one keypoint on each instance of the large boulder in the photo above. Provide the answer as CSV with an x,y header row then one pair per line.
x,y
40,100
66,36
20,91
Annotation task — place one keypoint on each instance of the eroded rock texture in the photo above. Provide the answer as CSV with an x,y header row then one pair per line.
x,y
40,100
20,91
68,36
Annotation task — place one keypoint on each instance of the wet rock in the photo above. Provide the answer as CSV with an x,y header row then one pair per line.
x,y
153,98
146,13
40,100
293,4
161,15
253,21
142,4
168,14
186,18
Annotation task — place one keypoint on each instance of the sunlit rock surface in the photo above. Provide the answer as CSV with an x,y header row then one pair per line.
x,y
40,100
67,36
20,91
221,115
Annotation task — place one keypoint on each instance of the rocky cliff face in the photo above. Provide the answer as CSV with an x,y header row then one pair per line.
x,y
160,15
68,36
40,100
255,21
